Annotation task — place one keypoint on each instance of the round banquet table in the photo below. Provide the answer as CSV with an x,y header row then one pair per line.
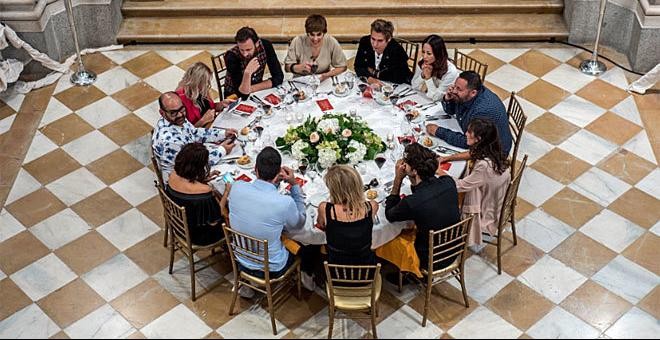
x,y
383,119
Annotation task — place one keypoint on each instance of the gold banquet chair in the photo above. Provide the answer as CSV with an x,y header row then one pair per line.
x,y
353,288
160,184
220,72
180,240
412,50
466,63
256,250
517,119
507,213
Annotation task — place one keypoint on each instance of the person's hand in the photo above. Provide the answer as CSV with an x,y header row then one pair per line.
x,y
252,66
371,70
306,67
374,82
431,129
208,117
228,145
230,132
427,71
449,94
223,104
399,170
212,175
442,159
323,76
286,174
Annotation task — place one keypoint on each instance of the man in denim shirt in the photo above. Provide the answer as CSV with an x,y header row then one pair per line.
x,y
468,99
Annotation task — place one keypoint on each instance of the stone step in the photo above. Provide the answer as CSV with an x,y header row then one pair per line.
x,y
346,28
197,8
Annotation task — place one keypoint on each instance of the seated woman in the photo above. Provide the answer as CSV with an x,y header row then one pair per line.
x,y
188,187
194,91
487,183
315,52
435,72
348,218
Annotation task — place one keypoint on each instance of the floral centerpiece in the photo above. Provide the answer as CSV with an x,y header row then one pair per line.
x,y
333,138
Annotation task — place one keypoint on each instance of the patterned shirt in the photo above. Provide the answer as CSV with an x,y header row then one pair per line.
x,y
169,138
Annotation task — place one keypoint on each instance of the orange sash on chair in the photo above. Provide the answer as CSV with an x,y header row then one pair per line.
x,y
401,252
292,246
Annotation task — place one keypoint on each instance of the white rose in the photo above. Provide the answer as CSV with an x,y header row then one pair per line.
x,y
297,149
314,137
347,133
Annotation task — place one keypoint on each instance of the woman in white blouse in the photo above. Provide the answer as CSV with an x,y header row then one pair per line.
x,y
435,71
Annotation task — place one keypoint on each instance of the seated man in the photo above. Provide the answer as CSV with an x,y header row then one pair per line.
x,y
468,99
433,204
379,57
258,210
173,131
246,63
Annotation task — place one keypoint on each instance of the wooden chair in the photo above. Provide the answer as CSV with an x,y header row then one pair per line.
x,y
353,289
256,251
466,63
175,218
445,244
507,213
517,121
412,50
220,72
159,183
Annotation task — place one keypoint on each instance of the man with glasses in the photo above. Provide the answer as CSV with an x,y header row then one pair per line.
x,y
173,131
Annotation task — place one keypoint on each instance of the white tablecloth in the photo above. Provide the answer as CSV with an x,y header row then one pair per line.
x,y
383,119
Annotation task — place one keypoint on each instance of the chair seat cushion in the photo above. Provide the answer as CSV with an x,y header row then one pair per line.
x,y
345,300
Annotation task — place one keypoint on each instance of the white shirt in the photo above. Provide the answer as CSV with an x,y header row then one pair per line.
x,y
377,59
435,88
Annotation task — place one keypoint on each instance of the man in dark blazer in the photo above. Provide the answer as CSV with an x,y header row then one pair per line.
x,y
379,57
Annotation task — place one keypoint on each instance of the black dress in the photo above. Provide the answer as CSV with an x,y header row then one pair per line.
x,y
349,243
202,210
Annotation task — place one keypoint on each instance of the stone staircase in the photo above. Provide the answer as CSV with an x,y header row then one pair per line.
x,y
216,21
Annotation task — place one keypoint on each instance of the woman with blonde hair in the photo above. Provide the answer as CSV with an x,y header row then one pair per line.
x,y
348,218
194,90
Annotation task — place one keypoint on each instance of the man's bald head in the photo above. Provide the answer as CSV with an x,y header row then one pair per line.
x,y
171,108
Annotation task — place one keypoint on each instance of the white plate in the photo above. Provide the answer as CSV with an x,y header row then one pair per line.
x,y
308,97
380,99
433,140
342,94
248,166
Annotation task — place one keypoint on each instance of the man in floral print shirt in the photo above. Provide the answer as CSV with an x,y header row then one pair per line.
x,y
173,131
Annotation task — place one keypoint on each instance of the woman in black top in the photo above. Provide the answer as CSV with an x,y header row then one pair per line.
x,y
347,218
188,187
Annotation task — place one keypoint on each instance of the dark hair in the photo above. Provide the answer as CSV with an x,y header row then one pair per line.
x,y
316,23
192,162
269,163
383,26
421,159
439,52
488,144
473,79
246,33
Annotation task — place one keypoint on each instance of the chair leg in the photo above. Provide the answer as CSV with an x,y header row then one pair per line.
x,y
298,283
427,302
400,281
465,297
513,224
192,276
234,294
171,257
374,312
166,233
269,295
331,323
499,254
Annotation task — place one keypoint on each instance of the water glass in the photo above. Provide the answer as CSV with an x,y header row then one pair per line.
x,y
289,118
353,112
300,116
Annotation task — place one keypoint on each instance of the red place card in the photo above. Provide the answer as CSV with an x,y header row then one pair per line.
x,y
299,181
273,99
411,139
245,108
324,104
244,178
445,166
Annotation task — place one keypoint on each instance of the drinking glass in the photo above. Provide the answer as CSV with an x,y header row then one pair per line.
x,y
302,166
353,112
350,79
314,84
300,116
380,161
289,118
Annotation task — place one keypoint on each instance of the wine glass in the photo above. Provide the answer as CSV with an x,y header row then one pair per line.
x,y
302,166
350,79
289,118
380,161
314,84
300,116
353,112
315,66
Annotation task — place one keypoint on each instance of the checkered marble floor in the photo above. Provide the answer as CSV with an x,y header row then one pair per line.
x,y
81,250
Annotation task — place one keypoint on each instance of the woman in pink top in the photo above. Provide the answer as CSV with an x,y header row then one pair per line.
x,y
487,183
194,90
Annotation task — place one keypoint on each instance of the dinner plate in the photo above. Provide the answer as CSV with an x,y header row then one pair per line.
x,y
248,166
434,142
382,100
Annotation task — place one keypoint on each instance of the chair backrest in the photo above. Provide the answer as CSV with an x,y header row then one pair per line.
x,y
466,63
412,50
449,243
354,281
220,72
510,196
517,119
176,220
159,175
248,248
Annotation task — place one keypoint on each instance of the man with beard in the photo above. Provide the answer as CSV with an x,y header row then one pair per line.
x,y
173,131
246,63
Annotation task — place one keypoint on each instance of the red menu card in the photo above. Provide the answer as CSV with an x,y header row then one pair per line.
x,y
324,104
445,166
300,181
273,99
244,178
245,108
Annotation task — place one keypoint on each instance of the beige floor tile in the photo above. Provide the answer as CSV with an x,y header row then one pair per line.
x,y
204,57
602,94
447,307
627,166
13,299
13,254
571,207
144,303
596,305
71,303
561,166
485,58
114,166
583,254
136,95
5,110
535,62
500,92
295,312
644,252
66,129
519,305
95,62
150,255
387,305
614,128
637,206
36,207
544,94
43,170
87,252
101,207
60,335
213,306
77,97
136,335
146,64
551,128
515,259
523,208
651,303
215,335
126,129
153,208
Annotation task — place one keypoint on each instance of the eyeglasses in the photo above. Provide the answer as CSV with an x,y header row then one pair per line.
x,y
176,111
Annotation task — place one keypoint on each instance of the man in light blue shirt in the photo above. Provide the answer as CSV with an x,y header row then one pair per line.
x,y
257,209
